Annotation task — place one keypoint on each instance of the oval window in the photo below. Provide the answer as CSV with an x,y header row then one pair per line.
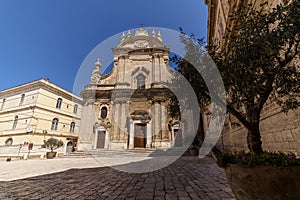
x,y
103,114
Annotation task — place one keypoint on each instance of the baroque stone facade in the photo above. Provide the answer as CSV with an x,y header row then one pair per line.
x,y
279,131
127,108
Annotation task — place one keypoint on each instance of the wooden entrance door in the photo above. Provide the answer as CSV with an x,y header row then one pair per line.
x,y
140,135
100,140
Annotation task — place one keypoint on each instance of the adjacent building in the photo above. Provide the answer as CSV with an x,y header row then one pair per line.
x,y
36,111
219,12
279,131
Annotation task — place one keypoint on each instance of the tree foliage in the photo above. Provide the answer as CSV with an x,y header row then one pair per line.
x,y
258,60
53,143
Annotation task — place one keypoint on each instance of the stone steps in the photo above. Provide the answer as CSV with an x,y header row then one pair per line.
x,y
126,153
76,154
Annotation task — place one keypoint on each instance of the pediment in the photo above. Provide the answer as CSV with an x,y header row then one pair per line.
x,y
141,42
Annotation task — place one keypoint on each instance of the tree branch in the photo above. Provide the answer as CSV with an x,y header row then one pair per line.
x,y
281,65
239,116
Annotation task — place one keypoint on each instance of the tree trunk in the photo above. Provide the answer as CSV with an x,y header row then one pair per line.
x,y
254,140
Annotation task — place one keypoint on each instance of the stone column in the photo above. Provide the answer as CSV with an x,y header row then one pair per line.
x,y
107,140
160,67
149,135
117,117
153,68
123,72
131,135
114,127
173,137
96,138
160,125
122,65
157,120
156,68
123,117
182,126
118,68
86,132
165,132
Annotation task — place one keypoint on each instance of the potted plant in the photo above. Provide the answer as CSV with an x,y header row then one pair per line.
x,y
268,176
52,144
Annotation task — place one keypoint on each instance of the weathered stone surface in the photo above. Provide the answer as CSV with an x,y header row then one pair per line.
x,y
196,178
279,132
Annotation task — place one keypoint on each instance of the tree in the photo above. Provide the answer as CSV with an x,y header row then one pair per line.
x,y
258,60
53,143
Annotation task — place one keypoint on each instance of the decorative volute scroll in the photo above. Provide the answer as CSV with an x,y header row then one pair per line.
x,y
96,75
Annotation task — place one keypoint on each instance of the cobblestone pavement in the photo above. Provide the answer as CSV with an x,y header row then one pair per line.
x,y
187,178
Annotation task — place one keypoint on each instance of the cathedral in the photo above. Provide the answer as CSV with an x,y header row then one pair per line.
x,y
127,108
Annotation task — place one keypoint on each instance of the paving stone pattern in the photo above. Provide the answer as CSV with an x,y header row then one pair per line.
x,y
187,178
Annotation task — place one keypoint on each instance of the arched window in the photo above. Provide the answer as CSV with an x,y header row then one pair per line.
x,y
58,103
22,99
75,109
140,80
54,124
103,113
72,127
9,142
15,122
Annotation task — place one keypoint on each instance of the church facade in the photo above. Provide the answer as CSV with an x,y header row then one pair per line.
x,y
127,108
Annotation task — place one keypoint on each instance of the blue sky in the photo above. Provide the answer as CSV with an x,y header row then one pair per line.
x,y
51,38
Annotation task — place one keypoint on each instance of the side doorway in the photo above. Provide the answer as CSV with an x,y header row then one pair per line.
x,y
69,147
140,135
100,141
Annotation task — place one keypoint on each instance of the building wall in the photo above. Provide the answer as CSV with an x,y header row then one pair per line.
x,y
279,131
47,111
219,12
36,113
11,108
